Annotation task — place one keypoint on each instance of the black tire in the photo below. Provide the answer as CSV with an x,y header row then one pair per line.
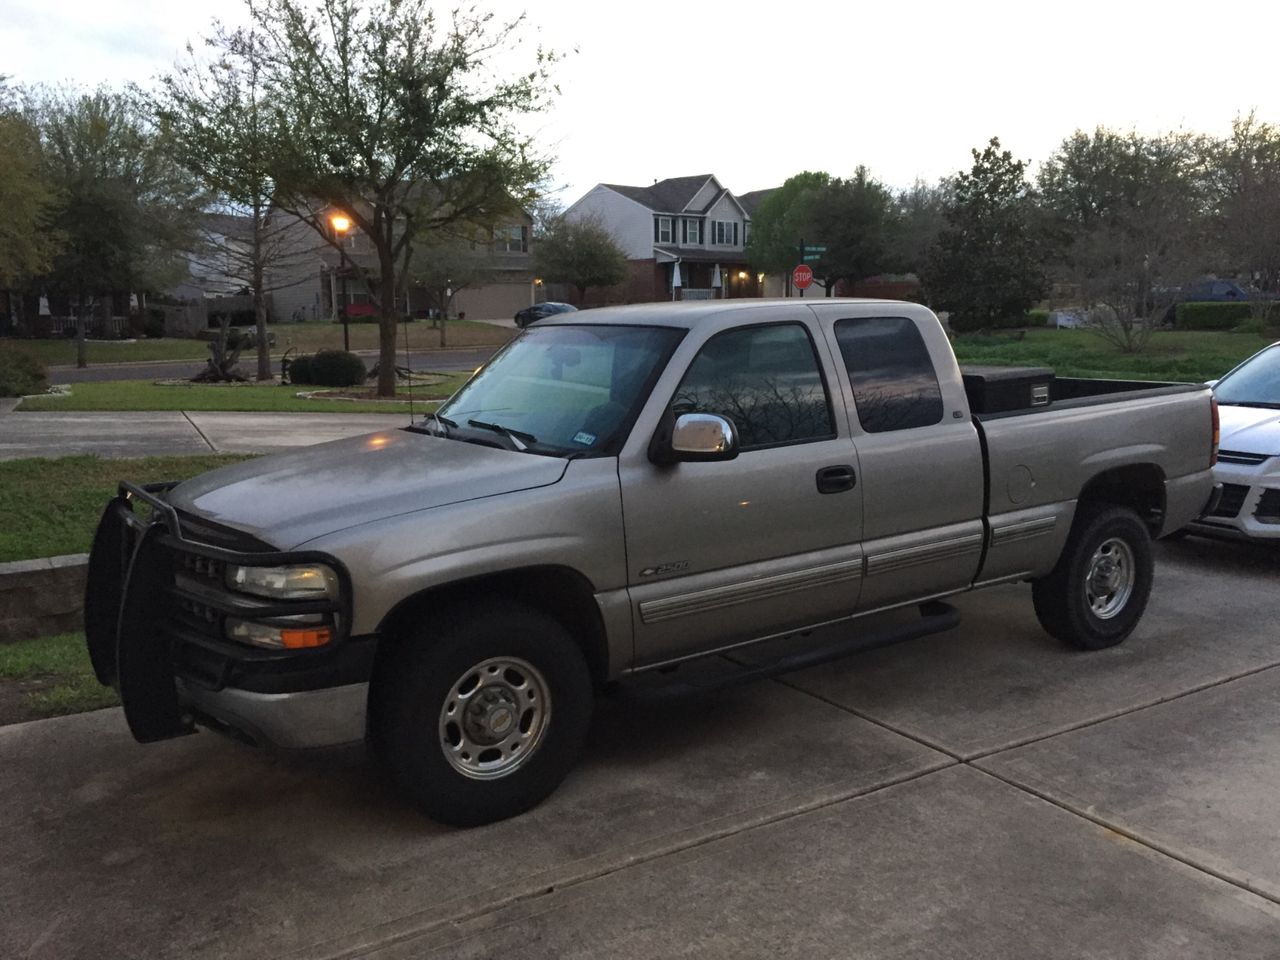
x,y
418,678
1064,603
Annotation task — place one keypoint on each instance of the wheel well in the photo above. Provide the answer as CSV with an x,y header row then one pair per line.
x,y
561,593
1139,486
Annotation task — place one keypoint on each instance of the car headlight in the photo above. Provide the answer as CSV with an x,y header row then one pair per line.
x,y
310,581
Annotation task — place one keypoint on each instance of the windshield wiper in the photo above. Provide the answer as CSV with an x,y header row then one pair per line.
x,y
515,436
1255,404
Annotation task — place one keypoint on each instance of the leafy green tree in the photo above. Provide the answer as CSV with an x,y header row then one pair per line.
x,y
400,123
221,127
582,253
854,218
1246,178
27,199
1129,214
783,219
987,264
919,217
126,210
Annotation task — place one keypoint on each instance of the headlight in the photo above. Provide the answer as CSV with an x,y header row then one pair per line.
x,y
312,581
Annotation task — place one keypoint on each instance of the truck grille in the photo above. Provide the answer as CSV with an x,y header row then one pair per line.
x,y
1268,509
1245,459
1233,495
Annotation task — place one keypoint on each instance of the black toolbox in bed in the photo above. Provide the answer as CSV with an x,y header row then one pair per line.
x,y
1004,389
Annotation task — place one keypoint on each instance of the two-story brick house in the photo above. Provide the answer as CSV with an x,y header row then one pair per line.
x,y
690,226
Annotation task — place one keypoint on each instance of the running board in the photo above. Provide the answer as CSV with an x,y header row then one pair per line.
x,y
935,617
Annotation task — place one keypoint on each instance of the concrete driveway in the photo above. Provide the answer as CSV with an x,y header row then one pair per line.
x,y
983,793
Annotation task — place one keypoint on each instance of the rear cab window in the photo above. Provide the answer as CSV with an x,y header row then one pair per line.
x,y
895,385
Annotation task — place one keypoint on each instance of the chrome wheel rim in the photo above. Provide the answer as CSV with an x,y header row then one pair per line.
x,y
494,718
1109,582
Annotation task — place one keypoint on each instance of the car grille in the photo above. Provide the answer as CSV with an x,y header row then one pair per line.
x,y
1268,509
1233,495
1245,459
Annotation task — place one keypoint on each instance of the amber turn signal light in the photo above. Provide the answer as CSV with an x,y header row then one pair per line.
x,y
301,639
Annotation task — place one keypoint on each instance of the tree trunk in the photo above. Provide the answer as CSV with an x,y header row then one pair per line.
x,y
443,321
82,348
387,320
259,297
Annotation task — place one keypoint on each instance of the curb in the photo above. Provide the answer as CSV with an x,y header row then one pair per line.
x,y
42,597
274,357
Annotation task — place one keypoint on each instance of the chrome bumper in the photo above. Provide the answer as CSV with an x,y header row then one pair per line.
x,y
309,718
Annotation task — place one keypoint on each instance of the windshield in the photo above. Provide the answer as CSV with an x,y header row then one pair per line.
x,y
565,389
1254,383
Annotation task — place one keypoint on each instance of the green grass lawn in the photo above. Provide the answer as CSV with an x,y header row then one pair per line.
x,y
49,507
147,395
1189,355
303,337
48,677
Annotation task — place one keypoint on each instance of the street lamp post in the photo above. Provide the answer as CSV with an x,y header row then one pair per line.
x,y
341,223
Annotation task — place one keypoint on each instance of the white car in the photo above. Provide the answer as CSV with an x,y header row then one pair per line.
x,y
1249,455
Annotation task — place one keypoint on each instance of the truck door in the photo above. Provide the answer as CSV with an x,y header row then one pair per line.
x,y
919,456
726,552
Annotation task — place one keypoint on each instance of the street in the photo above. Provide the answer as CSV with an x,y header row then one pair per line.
x,y
985,793
436,360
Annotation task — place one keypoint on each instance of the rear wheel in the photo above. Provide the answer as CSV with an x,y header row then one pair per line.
x,y
1098,591
485,718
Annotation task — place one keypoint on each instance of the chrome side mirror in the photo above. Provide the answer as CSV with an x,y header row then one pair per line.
x,y
703,436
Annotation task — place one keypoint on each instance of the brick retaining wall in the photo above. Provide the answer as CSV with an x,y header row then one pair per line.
x,y
42,597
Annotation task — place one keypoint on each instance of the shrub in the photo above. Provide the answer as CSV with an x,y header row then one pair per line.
x,y
300,369
332,368
1209,316
21,374
153,327
1037,318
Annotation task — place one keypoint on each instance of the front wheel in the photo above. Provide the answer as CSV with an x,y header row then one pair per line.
x,y
483,719
1098,591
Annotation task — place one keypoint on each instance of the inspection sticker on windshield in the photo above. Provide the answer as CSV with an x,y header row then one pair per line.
x,y
584,438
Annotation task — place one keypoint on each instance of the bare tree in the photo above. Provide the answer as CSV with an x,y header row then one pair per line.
x,y
1130,214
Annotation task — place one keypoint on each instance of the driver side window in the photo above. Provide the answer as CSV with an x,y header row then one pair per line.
x,y
765,379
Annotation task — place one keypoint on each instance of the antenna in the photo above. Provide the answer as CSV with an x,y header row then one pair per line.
x,y
408,367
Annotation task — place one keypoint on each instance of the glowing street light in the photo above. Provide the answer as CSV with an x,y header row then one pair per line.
x,y
341,223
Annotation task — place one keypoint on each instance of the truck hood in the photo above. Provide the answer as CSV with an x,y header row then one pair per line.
x,y
1250,429
287,499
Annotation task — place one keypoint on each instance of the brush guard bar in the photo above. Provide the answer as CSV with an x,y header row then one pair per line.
x,y
137,611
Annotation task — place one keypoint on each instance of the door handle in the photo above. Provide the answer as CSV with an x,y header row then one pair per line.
x,y
836,479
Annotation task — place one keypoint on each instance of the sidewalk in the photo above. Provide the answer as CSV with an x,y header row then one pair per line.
x,y
148,434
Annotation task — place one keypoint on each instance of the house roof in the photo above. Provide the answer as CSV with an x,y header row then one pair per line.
x,y
750,202
666,196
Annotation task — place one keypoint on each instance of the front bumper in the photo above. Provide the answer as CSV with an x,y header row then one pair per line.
x,y
1249,506
306,718
155,607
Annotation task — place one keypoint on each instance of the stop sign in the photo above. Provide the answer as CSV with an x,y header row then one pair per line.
x,y
802,276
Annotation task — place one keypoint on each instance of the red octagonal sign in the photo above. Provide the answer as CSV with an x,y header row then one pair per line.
x,y
802,276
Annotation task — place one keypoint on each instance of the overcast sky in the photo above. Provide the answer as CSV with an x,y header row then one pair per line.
x,y
754,92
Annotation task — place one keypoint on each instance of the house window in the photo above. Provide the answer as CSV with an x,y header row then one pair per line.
x,y
726,233
662,230
692,233
512,239
746,233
